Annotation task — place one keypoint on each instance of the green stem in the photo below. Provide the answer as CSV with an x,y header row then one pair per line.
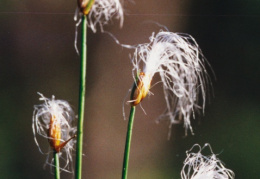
x,y
83,71
128,142
56,164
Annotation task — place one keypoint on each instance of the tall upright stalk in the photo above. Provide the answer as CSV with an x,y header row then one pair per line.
x,y
83,72
56,164
128,142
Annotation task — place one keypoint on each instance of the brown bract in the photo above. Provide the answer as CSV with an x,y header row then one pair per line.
x,y
85,5
55,135
141,90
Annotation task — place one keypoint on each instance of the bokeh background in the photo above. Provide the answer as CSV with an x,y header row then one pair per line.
x,y
37,55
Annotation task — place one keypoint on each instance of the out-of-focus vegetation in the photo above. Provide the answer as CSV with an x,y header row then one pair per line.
x,y
37,54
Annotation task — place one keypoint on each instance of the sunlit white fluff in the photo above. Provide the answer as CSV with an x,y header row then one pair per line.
x,y
199,166
103,11
40,124
177,58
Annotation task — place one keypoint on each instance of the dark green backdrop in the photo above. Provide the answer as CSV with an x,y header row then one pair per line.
x,y
37,55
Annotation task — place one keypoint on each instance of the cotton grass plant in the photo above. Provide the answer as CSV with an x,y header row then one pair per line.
x,y
92,12
98,13
181,66
178,60
53,120
199,166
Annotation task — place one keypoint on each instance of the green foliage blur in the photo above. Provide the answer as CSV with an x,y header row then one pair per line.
x,y
37,55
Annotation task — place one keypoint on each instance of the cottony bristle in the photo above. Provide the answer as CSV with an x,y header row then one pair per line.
x,y
180,63
198,166
53,120
101,12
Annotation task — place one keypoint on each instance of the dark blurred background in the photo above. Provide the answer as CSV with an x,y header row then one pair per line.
x,y
37,55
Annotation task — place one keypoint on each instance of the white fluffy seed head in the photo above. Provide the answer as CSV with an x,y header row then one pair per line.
x,y
177,58
103,11
199,166
64,115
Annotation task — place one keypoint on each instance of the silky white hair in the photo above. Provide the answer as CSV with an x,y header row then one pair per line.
x,y
199,166
177,58
101,13
64,115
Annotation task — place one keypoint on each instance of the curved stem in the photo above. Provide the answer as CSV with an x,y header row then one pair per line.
x,y
128,142
83,71
56,165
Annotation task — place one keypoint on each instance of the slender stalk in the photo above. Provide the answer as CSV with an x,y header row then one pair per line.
x,y
83,71
56,164
128,142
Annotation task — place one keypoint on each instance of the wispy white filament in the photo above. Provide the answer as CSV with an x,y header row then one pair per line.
x,y
177,58
198,166
64,115
103,11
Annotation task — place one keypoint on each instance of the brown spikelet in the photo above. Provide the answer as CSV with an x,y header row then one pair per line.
x,y
140,90
85,5
54,134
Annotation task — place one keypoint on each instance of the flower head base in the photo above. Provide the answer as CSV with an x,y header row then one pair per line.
x,y
85,5
141,89
179,61
198,166
53,121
